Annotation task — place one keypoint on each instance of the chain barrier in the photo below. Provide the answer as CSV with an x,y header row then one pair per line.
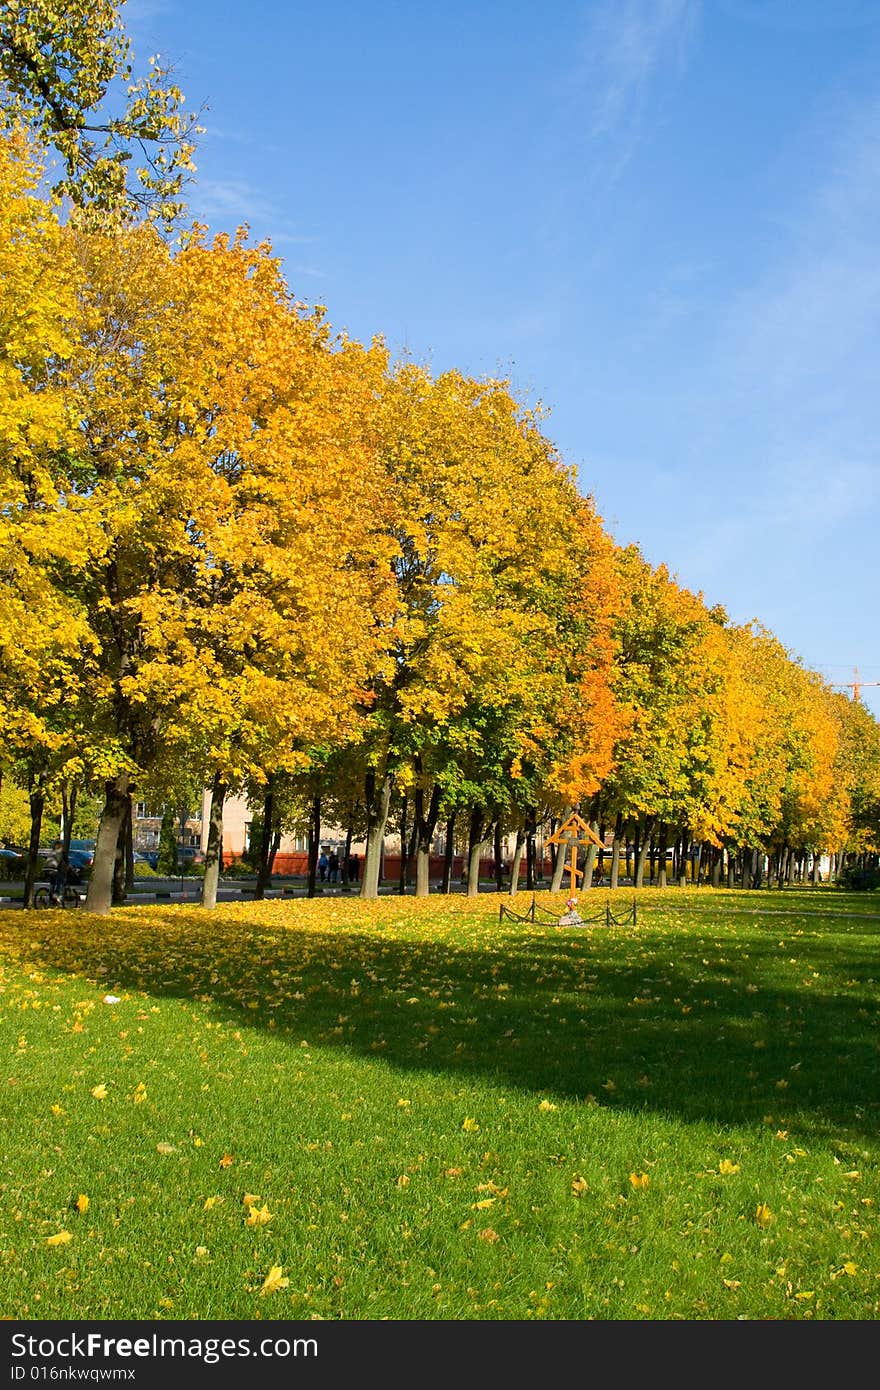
x,y
535,913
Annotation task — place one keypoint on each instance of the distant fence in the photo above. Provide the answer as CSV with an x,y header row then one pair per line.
x,y
535,913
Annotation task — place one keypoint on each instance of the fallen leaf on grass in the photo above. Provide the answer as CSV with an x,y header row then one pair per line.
x,y
258,1216
274,1281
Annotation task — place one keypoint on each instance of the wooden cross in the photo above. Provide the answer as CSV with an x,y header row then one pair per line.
x,y
574,832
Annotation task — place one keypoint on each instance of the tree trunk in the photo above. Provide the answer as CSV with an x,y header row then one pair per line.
x,y
614,873
424,827
69,794
517,861
378,803
531,830
264,871
717,866
562,858
448,854
314,845
682,860
404,845
99,896
590,861
424,824
127,838
37,798
644,838
499,857
662,850
123,867
554,850
214,847
476,841
346,853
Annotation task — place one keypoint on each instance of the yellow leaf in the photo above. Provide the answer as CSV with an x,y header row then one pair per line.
x,y
546,1105
725,1167
100,1091
61,1238
274,1281
579,1185
481,1206
763,1215
82,1203
470,1125
639,1180
226,1161
57,1109
249,1199
732,1283
850,1268
164,1148
258,1216
489,1236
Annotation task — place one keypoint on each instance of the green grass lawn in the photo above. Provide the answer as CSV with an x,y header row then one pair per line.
x,y
410,1110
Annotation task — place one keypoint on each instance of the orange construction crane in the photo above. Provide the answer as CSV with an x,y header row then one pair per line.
x,y
855,685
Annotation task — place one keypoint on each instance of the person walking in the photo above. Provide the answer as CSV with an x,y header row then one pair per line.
x,y
333,866
323,864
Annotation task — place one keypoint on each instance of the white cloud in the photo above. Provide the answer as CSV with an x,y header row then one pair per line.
x,y
627,42
225,204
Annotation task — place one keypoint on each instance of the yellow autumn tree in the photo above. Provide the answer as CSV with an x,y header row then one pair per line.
x,y
44,536
225,453
486,527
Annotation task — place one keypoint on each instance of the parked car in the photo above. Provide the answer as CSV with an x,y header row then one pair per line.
x,y
12,862
82,854
186,855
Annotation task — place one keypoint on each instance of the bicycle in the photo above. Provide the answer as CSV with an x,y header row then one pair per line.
x,y
44,897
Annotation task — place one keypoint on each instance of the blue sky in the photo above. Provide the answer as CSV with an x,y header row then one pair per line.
x,y
661,218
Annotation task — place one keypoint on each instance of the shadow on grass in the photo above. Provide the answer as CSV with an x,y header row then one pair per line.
x,y
725,1029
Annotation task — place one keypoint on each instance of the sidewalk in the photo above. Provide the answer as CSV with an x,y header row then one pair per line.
x,y
148,892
